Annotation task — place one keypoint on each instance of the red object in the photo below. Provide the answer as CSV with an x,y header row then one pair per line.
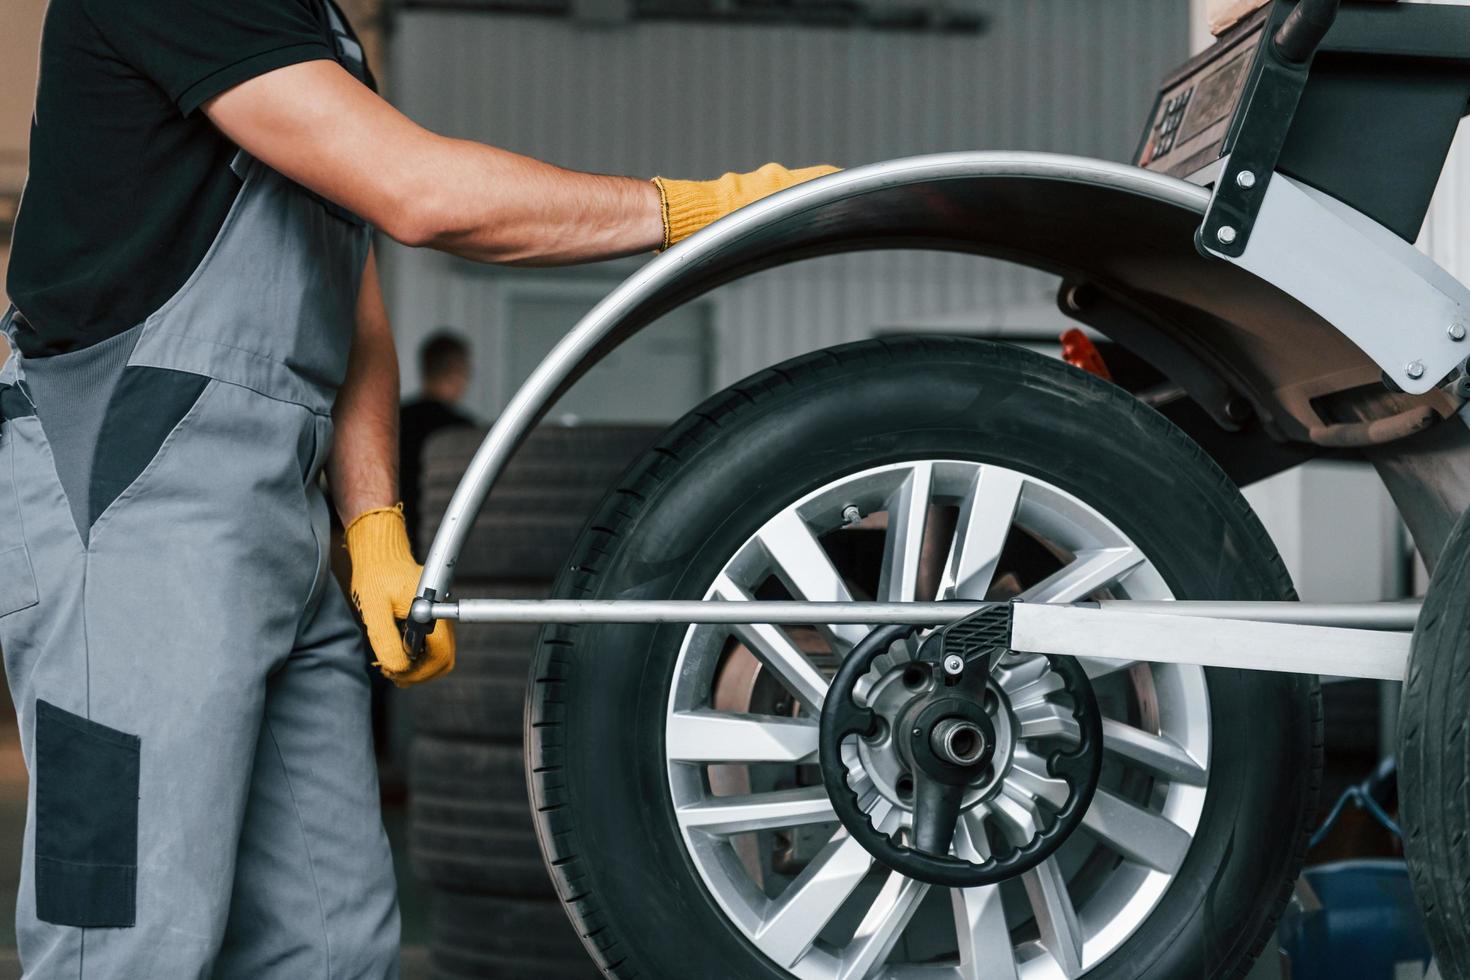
x,y
1080,352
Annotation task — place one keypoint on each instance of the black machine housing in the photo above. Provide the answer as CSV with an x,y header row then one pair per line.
x,y
1371,124
1366,116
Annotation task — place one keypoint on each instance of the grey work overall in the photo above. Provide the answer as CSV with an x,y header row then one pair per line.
x,y
189,679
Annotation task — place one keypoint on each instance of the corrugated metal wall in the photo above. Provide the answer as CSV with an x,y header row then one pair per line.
x,y
692,100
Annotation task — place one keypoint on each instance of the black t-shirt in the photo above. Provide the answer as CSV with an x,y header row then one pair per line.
x,y
128,182
417,421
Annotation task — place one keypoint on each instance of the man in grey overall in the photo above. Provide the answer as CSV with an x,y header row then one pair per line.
x,y
199,334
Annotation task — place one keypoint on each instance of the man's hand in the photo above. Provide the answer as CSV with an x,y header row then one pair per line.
x,y
384,580
689,205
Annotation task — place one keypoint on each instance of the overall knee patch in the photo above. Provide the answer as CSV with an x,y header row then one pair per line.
x,y
86,821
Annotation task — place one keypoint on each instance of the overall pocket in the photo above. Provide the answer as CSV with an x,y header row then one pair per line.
x,y
86,821
17,578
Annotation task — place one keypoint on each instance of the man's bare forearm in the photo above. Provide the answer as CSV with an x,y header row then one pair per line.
x,y
319,126
363,466
554,216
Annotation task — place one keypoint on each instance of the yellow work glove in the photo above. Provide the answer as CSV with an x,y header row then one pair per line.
x,y
689,205
385,579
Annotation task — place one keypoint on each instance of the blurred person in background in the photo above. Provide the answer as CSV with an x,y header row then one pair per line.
x,y
444,370
199,333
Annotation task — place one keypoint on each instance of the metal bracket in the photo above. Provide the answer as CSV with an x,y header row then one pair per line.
x,y
1262,123
1230,222
421,622
985,636
1404,311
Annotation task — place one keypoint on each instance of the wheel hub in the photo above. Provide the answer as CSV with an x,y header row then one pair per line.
x,y
951,739
941,722
888,758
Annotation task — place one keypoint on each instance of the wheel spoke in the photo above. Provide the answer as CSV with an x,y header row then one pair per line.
x,y
970,842
773,647
1088,572
717,736
985,940
1018,670
980,533
1037,691
1047,719
758,811
908,506
878,932
1156,754
1056,917
1028,774
809,903
1138,834
1016,814
1097,667
804,568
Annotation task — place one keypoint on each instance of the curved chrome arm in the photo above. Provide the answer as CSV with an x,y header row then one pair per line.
x,y
920,202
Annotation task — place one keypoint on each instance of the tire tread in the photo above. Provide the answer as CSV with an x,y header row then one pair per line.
x,y
1434,757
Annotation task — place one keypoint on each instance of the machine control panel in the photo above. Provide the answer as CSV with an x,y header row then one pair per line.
x,y
1191,116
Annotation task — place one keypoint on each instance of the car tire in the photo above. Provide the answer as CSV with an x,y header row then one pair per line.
x,y
1434,758
596,710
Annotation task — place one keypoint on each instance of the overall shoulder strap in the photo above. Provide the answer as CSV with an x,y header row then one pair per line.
x,y
12,324
349,52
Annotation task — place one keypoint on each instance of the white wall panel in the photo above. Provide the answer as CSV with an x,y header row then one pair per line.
x,y
694,100
1446,232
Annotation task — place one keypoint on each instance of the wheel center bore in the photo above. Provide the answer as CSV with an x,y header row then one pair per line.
x,y
960,742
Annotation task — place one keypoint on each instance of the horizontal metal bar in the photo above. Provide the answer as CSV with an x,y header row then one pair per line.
x,y
703,611
1368,640
1359,615
1115,634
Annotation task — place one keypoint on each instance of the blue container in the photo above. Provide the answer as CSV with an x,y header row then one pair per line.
x,y
1367,928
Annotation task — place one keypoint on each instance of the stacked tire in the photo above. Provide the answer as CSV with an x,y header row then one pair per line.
x,y
495,912
1434,758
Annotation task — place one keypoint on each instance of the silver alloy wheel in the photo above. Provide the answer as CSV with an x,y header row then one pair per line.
x,y
741,738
